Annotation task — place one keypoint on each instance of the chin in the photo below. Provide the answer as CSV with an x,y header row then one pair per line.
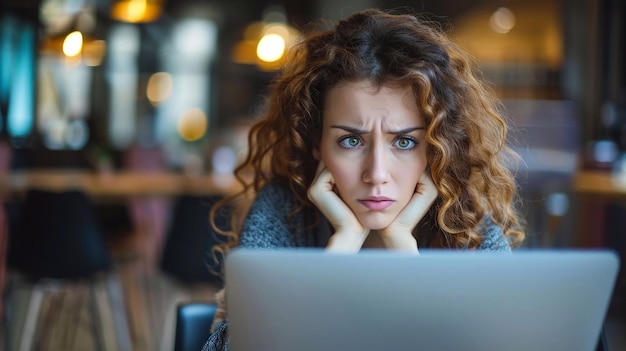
x,y
375,222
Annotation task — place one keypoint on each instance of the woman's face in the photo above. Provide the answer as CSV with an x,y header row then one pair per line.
x,y
373,144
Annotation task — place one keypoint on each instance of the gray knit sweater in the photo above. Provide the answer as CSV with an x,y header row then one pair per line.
x,y
269,225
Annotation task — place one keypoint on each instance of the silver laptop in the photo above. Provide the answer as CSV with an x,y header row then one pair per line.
x,y
308,299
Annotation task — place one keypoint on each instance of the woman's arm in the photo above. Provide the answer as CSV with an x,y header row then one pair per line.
x,y
267,225
218,340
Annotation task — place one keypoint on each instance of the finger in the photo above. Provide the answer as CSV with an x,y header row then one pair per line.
x,y
418,206
323,179
426,185
422,199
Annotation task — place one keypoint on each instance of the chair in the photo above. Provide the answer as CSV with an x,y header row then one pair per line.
x,y
189,240
56,239
193,323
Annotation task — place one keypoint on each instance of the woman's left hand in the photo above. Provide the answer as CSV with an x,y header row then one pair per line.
x,y
399,234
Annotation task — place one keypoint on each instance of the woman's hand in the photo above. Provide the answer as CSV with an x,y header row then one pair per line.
x,y
399,234
349,233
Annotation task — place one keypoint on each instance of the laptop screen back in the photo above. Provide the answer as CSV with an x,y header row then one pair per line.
x,y
308,299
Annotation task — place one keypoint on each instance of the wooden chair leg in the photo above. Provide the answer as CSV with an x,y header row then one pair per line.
x,y
114,288
32,316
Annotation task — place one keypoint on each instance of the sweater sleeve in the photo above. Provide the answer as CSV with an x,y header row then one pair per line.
x,y
267,225
218,340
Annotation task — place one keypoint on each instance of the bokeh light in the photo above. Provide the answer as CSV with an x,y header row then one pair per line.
x,y
271,48
159,87
73,44
192,124
502,20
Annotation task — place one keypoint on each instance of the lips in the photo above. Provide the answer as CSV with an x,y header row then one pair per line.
x,y
376,203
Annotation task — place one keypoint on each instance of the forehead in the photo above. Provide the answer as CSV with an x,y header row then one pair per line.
x,y
362,103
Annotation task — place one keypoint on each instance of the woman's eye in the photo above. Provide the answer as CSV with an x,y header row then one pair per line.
x,y
350,142
405,143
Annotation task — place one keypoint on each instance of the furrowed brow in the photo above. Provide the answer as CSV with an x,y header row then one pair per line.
x,y
405,130
360,131
350,129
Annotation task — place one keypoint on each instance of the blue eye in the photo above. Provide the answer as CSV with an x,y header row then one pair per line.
x,y
405,143
349,142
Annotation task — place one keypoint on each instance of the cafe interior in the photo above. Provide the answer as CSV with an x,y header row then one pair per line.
x,y
121,122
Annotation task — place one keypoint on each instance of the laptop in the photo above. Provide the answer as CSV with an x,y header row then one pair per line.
x,y
310,299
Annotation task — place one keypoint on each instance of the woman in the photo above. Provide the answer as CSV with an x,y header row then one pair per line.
x,y
377,134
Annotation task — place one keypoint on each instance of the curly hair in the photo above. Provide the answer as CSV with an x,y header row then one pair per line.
x,y
466,134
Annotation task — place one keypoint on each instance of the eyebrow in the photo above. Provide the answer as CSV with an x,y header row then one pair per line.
x,y
360,131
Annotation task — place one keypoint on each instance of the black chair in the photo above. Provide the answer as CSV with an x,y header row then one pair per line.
x,y
55,238
193,324
189,241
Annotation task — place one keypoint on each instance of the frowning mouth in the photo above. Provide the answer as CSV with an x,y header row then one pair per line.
x,y
376,203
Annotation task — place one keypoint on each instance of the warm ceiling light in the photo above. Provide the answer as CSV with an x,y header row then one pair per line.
x,y
73,44
270,48
71,33
136,11
265,45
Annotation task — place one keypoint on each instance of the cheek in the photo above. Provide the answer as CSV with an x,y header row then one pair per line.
x,y
337,169
418,174
410,176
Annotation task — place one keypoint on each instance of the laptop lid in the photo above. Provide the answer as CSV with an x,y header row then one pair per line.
x,y
309,299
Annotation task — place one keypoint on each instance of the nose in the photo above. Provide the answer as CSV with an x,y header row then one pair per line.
x,y
376,170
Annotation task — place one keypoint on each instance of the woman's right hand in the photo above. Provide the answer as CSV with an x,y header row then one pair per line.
x,y
349,233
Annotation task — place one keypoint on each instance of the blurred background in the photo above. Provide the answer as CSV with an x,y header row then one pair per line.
x,y
142,108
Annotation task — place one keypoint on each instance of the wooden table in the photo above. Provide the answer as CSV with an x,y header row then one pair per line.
x,y
118,184
599,183
601,192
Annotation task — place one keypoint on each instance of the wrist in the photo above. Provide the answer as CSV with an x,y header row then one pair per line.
x,y
346,241
399,240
